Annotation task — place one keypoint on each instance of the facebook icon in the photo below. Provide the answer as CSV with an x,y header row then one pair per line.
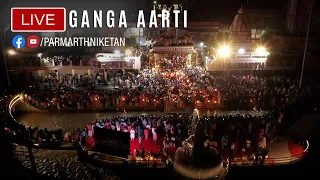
x,y
18,41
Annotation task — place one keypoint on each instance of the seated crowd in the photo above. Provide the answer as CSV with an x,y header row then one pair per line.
x,y
181,89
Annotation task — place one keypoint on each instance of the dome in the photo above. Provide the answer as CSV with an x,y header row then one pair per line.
x,y
240,27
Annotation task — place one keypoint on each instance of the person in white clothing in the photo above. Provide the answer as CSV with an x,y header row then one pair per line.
x,y
132,134
153,130
118,127
98,124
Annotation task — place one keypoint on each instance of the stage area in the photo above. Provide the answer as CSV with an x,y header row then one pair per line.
x,y
281,152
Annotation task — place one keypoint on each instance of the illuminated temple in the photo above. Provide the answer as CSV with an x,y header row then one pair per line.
x,y
174,48
239,52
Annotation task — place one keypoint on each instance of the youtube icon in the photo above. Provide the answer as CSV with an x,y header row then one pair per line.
x,y
33,41
38,19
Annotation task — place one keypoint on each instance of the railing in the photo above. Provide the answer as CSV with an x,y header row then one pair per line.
x,y
267,162
12,103
273,161
42,145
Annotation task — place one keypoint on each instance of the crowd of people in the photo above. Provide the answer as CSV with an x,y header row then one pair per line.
x,y
166,88
246,133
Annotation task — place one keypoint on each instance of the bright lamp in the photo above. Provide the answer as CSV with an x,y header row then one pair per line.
x,y
241,51
128,52
261,51
224,51
11,52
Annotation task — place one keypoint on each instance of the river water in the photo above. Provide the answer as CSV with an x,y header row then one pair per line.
x,y
74,120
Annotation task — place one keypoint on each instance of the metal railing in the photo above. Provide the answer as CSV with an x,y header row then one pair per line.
x,y
273,161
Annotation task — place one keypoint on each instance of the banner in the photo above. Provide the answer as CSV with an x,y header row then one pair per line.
x,y
112,142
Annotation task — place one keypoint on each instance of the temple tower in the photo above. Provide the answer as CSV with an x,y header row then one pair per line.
x,y
240,28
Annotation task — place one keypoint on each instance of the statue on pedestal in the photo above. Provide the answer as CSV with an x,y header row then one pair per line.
x,y
196,158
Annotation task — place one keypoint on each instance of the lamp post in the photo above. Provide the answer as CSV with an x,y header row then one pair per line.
x,y
201,46
306,46
39,56
224,52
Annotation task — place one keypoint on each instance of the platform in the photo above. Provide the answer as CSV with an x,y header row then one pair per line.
x,y
280,153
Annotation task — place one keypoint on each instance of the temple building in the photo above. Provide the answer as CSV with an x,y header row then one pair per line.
x,y
173,48
240,52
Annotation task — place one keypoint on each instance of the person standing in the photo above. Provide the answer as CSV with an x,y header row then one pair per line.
x,y
146,133
154,135
132,134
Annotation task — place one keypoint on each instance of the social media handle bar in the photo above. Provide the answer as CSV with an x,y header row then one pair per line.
x,y
34,41
82,42
19,41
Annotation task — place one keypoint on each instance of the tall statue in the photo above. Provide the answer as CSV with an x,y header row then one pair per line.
x,y
196,158
199,147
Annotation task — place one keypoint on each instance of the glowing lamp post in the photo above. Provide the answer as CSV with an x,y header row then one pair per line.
x,y
261,51
11,52
224,51
241,51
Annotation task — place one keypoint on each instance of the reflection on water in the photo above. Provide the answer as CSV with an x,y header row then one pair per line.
x,y
67,120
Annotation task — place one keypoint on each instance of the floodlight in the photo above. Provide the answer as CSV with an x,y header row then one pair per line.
x,y
12,52
241,51
261,51
224,51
